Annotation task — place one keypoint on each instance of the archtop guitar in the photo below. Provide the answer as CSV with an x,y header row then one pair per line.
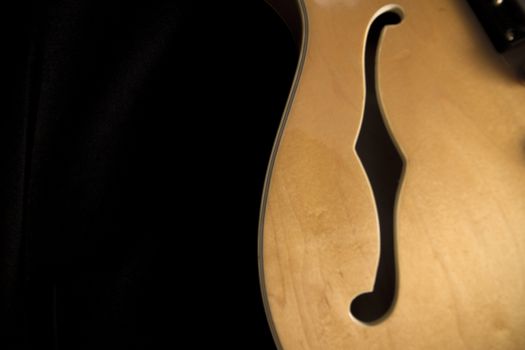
x,y
393,214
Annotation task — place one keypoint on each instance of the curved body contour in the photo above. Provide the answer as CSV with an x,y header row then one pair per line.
x,y
457,115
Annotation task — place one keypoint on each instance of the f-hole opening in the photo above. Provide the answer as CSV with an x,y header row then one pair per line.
x,y
383,165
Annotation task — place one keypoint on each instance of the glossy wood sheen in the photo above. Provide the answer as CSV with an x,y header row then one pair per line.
x,y
457,115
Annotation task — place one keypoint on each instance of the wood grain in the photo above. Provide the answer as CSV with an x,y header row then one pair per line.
x,y
457,114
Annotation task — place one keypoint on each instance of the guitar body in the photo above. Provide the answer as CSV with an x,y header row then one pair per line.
x,y
456,115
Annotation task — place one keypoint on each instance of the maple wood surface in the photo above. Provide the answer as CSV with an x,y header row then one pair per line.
x,y
457,115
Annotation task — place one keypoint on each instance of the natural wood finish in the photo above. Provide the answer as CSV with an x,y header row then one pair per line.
x,y
458,116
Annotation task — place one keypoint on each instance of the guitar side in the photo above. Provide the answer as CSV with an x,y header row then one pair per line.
x,y
293,13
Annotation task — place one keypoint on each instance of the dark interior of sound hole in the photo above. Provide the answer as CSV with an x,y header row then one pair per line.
x,y
383,166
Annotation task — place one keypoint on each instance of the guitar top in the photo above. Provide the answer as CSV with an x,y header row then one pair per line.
x,y
393,214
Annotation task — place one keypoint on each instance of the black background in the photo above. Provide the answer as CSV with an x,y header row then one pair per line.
x,y
134,140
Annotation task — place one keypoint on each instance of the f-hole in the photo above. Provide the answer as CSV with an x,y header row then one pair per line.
x,y
383,165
